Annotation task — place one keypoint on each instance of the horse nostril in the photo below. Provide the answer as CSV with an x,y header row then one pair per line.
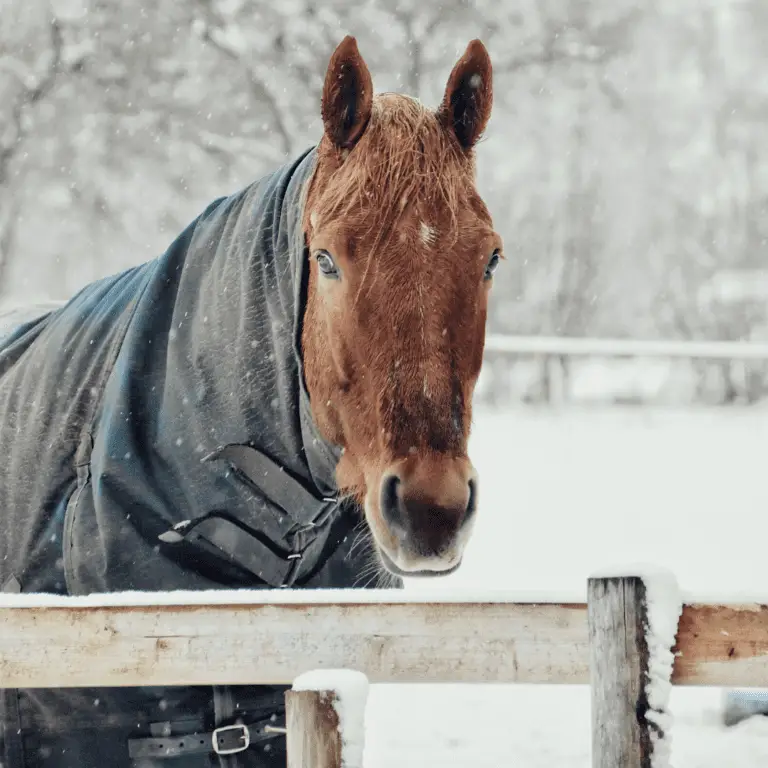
x,y
391,506
472,503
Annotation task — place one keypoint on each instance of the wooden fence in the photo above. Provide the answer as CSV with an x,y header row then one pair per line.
x,y
177,639
741,365
602,347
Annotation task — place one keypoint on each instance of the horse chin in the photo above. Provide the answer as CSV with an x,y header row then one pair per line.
x,y
423,571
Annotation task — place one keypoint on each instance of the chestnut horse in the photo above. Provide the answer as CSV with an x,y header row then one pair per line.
x,y
209,419
403,250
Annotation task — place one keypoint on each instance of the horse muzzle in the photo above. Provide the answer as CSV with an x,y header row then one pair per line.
x,y
426,513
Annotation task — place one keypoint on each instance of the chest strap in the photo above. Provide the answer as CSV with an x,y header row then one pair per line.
x,y
222,536
220,533
269,479
227,741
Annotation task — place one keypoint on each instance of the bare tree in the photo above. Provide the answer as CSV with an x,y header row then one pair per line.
x,y
30,86
625,146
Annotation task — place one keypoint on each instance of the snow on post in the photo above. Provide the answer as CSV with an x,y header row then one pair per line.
x,y
325,719
633,621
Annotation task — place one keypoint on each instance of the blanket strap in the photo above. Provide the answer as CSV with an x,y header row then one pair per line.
x,y
220,535
224,709
241,544
183,738
267,478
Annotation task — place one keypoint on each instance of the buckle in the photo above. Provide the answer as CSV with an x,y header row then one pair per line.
x,y
231,739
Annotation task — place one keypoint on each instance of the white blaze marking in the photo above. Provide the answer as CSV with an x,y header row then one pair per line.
x,y
475,81
428,234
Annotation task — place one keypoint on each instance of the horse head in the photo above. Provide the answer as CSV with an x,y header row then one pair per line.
x,y
402,254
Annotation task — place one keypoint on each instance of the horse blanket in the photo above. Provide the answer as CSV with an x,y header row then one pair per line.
x,y
156,434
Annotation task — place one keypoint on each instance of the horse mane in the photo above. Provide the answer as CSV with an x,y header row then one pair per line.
x,y
405,158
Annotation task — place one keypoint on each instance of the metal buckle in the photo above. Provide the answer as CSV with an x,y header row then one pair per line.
x,y
245,735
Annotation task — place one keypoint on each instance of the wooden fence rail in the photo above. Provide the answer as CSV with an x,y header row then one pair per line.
x,y
741,362
67,642
602,347
272,637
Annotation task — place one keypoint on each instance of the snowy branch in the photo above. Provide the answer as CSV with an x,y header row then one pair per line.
x,y
563,42
230,43
33,91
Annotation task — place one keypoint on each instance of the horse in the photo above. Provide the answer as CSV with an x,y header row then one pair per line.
x,y
296,368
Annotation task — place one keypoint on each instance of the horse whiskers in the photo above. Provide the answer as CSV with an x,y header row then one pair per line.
x,y
365,579
387,580
364,538
373,571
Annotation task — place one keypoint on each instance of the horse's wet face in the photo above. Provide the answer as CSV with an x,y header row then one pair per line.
x,y
402,254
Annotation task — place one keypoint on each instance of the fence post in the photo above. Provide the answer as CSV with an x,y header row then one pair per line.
x,y
324,718
618,655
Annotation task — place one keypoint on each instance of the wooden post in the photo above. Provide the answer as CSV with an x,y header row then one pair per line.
x,y
313,734
617,617
325,719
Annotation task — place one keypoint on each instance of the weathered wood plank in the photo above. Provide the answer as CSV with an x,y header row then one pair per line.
x,y
619,665
237,644
314,738
388,641
722,645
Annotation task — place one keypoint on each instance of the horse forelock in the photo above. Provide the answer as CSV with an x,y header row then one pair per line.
x,y
406,160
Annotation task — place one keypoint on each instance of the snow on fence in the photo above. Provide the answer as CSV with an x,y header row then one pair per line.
x,y
632,639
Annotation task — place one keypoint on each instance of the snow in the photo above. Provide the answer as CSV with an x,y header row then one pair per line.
x,y
645,571
562,492
351,693
487,726
664,606
287,597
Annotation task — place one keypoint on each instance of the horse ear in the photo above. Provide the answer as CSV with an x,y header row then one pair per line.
x,y
347,95
468,99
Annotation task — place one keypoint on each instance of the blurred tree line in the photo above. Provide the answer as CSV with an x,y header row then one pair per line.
x,y
622,164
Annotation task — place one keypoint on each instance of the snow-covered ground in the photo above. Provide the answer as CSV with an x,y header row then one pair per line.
x,y
564,493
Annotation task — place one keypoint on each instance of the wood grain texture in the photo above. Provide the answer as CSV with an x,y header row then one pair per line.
x,y
387,641
618,662
722,645
186,645
314,739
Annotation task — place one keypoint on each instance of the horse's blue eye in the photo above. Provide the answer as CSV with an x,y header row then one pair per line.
x,y
326,263
493,262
